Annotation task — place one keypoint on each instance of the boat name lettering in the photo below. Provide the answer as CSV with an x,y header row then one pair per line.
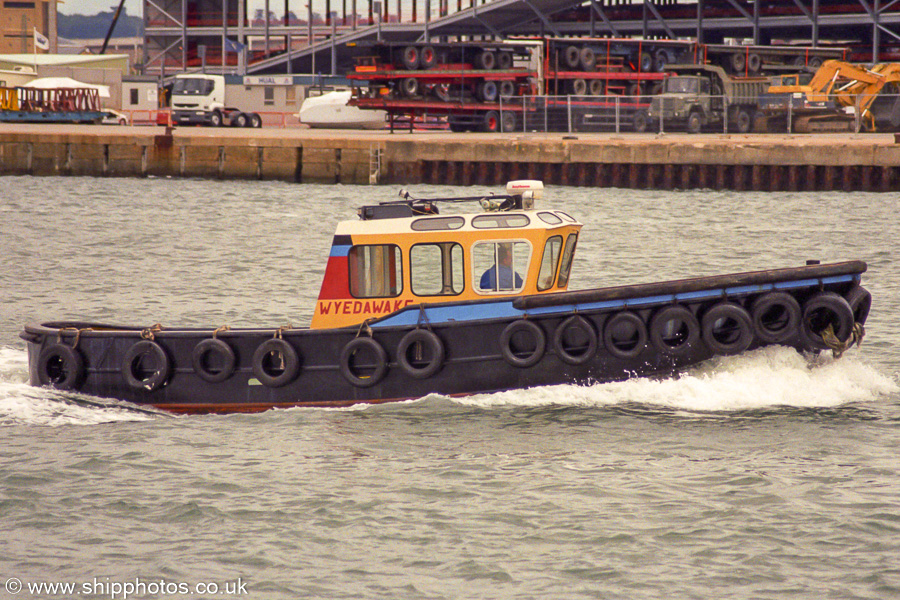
x,y
355,307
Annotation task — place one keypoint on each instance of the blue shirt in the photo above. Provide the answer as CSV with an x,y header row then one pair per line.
x,y
489,279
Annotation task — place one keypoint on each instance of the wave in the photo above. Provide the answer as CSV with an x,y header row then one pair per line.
x,y
22,404
765,378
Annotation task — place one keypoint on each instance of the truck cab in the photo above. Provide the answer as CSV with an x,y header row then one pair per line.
x,y
201,99
695,96
685,100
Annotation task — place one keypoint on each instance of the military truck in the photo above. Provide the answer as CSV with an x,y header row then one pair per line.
x,y
696,97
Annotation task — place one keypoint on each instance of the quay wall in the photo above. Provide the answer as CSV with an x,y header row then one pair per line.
x,y
765,163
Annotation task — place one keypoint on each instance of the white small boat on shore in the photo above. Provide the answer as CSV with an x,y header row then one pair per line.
x,y
330,111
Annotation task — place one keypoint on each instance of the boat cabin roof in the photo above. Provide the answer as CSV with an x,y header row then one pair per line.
x,y
482,223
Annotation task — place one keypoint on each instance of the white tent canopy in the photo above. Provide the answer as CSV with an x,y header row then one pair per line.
x,y
47,83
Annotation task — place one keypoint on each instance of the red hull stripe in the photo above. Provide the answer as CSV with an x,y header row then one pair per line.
x,y
256,407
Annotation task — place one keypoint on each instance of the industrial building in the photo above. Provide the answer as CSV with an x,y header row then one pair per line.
x,y
18,21
229,36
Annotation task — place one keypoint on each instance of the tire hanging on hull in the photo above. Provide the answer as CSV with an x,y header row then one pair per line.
x,y
61,367
727,328
146,366
213,360
575,354
355,374
275,363
625,335
424,343
776,317
527,354
674,330
826,309
860,301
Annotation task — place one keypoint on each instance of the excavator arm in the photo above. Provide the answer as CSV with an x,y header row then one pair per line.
x,y
847,85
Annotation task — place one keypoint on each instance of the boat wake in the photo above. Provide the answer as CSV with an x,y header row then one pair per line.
x,y
766,378
22,404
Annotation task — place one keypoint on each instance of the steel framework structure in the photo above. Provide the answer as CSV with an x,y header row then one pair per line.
x,y
220,35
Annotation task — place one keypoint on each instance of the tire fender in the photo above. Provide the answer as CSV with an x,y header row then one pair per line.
x,y
559,340
776,317
61,367
677,340
134,359
213,347
727,328
632,343
529,328
822,310
363,344
433,347
860,301
275,374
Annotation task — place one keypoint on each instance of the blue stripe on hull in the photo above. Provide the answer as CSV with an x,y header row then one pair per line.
x,y
504,308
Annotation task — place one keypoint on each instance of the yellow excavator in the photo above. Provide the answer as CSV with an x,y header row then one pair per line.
x,y
832,98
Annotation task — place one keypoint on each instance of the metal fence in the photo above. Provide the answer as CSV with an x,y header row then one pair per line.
x,y
713,114
623,114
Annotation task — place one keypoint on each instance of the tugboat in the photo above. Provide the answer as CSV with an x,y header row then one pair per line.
x,y
415,302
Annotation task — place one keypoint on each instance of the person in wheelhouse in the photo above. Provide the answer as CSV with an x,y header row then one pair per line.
x,y
509,279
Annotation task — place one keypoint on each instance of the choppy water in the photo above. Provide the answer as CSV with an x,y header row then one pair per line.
x,y
768,475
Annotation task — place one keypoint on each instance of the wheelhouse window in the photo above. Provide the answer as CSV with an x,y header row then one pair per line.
x,y
438,224
549,218
567,255
500,266
375,271
549,262
500,221
436,269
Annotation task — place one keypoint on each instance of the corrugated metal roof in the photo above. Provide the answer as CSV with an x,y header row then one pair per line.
x,y
59,60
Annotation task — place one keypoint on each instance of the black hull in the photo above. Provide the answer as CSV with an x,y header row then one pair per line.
x,y
465,348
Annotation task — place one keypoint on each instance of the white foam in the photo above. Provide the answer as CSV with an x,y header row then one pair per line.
x,y
765,378
22,404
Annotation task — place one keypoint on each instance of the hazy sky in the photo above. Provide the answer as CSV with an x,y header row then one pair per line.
x,y
92,7
135,7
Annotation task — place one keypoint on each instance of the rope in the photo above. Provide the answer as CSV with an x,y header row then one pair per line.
x,y
150,332
59,335
364,326
221,329
837,346
281,330
423,316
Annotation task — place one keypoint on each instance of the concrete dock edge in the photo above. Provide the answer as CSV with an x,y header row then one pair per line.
x,y
739,162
